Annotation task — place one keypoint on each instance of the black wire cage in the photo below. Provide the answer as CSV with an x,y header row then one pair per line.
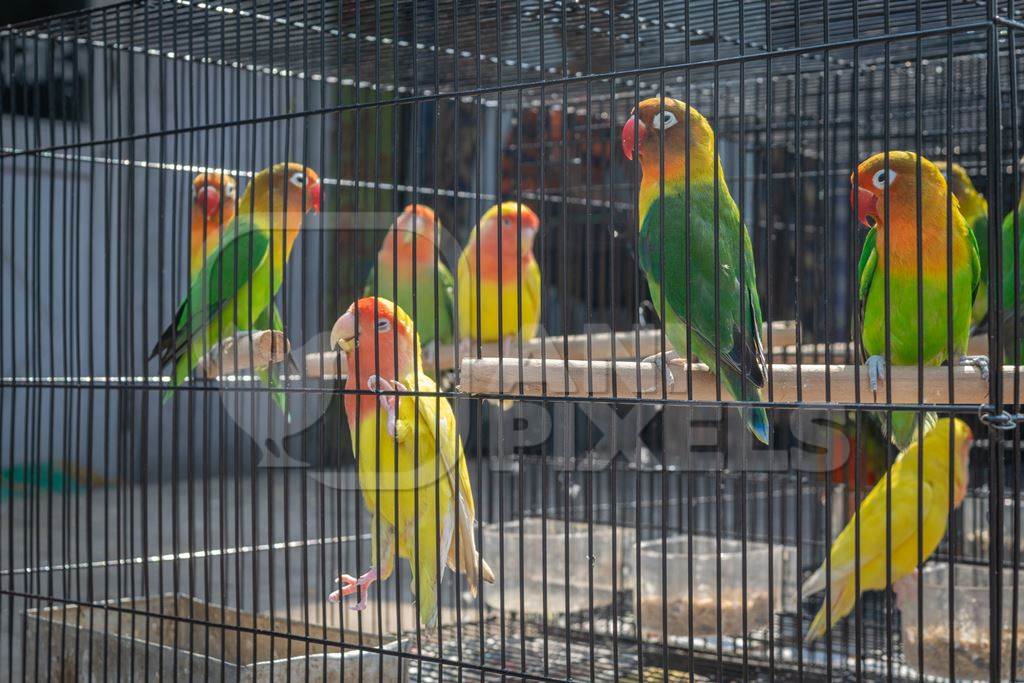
x,y
183,522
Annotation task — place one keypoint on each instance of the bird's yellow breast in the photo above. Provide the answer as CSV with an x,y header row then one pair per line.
x,y
489,326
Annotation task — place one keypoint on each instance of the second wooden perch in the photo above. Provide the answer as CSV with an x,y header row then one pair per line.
x,y
807,384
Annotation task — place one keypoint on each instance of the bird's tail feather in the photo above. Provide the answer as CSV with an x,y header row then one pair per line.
x,y
904,426
756,419
843,599
468,561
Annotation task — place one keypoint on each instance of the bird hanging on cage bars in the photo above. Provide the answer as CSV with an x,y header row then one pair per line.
x,y
409,271
974,208
892,506
213,208
425,498
886,200
498,274
237,282
702,262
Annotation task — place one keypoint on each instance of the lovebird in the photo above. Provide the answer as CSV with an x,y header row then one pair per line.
x,y
930,467
409,247
974,208
501,229
387,423
236,285
727,339
213,207
869,182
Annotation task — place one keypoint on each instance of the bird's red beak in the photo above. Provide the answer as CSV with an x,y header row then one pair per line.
x,y
209,198
633,134
866,203
314,196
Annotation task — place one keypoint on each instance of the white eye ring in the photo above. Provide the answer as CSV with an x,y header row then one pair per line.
x,y
664,120
229,190
298,179
384,325
880,180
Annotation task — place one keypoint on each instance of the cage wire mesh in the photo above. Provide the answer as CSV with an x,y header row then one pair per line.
x,y
183,511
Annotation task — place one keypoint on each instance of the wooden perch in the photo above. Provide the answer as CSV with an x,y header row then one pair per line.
x,y
262,347
578,379
597,346
978,346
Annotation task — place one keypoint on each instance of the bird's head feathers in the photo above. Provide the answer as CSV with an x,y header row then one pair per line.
x,y
412,235
213,197
370,333
892,178
284,188
680,130
502,229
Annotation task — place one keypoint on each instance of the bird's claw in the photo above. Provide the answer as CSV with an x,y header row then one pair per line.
x,y
388,400
351,584
876,371
980,362
661,360
509,345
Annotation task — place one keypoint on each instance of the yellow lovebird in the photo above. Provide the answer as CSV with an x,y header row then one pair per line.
x,y
490,269
419,490
903,518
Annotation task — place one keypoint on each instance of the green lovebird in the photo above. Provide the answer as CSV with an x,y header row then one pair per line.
x,y
409,248
727,339
906,332
238,280
974,208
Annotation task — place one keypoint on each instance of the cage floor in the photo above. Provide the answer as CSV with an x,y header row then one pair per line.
x,y
522,650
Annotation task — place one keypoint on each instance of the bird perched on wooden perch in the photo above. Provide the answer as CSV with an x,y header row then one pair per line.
x,y
412,469
240,278
889,199
702,262
925,469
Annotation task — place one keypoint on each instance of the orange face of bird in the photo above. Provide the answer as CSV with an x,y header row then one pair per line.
x,y
303,187
874,183
508,224
414,232
213,196
669,124
370,332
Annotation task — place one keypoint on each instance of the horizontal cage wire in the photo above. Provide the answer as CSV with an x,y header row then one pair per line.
x,y
607,340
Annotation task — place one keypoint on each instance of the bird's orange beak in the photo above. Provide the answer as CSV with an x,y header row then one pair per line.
x,y
866,203
209,198
343,334
314,196
633,134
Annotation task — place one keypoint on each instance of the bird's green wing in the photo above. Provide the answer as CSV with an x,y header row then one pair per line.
x,y
446,304
974,254
229,268
740,352
866,272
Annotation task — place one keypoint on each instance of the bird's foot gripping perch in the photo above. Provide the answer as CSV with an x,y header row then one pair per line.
x,y
980,362
661,361
876,371
388,400
350,585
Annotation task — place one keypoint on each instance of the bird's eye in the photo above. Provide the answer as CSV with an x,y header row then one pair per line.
x,y
506,221
664,120
229,190
298,179
880,179
384,325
